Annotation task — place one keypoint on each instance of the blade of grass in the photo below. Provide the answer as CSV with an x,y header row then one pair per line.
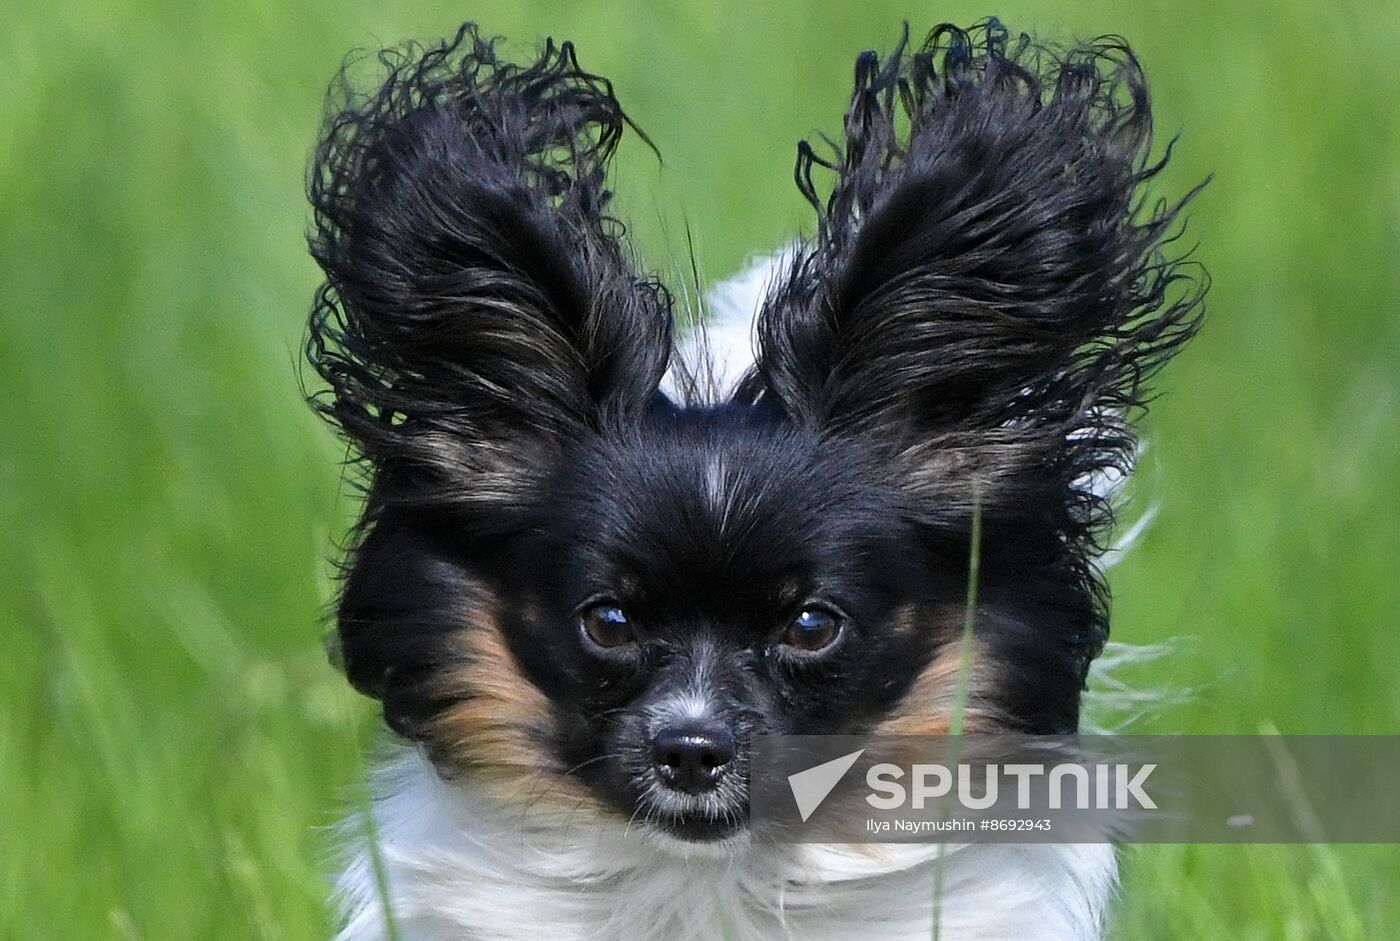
x,y
961,691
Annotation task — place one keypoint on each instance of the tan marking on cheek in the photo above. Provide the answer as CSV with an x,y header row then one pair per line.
x,y
498,726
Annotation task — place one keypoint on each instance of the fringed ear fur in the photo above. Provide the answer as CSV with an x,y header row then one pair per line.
x,y
478,312
987,289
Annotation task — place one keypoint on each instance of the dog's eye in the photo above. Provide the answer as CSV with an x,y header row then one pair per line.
x,y
813,628
605,625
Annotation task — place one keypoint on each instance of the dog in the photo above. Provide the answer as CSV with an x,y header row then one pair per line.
x,y
594,561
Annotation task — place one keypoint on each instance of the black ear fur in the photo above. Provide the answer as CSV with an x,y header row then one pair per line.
x,y
478,312
985,276
988,292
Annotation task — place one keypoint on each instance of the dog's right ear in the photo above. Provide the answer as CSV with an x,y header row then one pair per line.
x,y
478,312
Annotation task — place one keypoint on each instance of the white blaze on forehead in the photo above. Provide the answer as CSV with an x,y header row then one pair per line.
x,y
718,487
714,477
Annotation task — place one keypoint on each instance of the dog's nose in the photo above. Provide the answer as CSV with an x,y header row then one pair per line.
x,y
693,757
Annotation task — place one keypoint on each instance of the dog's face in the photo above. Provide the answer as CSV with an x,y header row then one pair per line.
x,y
714,575
716,578
571,586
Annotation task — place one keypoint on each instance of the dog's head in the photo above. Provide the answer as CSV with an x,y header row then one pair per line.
x,y
568,584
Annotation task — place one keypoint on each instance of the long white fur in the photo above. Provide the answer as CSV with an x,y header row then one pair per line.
x,y
461,863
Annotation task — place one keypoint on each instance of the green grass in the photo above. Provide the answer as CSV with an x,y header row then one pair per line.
x,y
173,746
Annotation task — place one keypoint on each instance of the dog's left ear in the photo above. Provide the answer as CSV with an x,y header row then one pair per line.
x,y
479,313
986,295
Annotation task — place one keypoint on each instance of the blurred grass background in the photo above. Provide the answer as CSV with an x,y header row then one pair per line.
x,y
173,746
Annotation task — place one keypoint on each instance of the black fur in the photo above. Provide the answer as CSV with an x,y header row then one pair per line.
x,y
972,324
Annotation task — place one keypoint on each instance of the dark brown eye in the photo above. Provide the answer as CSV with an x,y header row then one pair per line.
x,y
813,628
605,625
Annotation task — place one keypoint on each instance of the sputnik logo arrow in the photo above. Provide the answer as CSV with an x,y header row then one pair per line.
x,y
810,787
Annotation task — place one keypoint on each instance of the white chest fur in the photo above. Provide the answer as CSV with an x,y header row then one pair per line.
x,y
462,865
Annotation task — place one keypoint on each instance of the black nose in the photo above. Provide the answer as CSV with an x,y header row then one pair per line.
x,y
692,758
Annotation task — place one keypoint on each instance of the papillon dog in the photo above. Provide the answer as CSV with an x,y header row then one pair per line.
x,y
595,559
